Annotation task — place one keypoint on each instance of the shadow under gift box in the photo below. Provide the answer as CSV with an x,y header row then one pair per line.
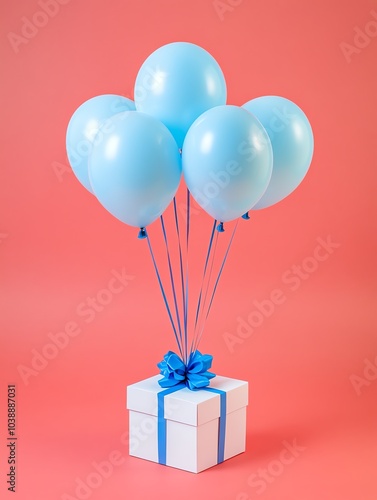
x,y
192,423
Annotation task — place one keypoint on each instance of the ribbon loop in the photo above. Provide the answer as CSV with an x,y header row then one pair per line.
x,y
194,375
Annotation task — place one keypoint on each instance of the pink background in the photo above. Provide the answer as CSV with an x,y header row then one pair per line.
x,y
58,246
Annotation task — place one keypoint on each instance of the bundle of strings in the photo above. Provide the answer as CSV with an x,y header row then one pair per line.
x,y
178,305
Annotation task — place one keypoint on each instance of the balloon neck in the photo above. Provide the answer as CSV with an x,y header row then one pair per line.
x,y
142,233
180,151
246,216
220,227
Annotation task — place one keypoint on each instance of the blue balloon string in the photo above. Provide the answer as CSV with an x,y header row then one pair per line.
x,y
188,218
187,272
182,274
203,280
205,270
216,283
181,332
171,278
201,321
163,293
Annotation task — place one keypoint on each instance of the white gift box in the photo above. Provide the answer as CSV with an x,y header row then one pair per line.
x,y
195,430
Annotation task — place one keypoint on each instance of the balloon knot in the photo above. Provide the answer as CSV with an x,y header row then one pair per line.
x,y
142,233
246,216
220,227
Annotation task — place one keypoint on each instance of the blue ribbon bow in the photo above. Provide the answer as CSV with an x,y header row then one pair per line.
x,y
194,375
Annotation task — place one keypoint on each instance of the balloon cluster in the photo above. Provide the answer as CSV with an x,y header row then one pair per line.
x,y
131,155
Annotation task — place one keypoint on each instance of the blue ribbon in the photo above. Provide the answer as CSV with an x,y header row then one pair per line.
x,y
222,423
161,422
194,376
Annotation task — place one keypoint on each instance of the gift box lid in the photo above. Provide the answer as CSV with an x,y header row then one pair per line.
x,y
185,406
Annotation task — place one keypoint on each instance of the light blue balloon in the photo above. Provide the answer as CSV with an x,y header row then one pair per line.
x,y
88,126
227,161
135,170
292,143
177,83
